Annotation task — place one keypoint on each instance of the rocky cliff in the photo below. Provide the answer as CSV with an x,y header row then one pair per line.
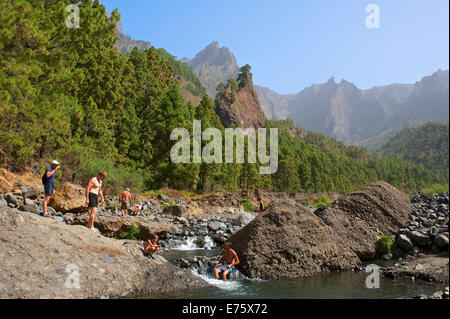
x,y
240,105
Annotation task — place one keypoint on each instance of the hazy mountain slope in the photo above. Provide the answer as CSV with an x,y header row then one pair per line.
x,y
427,145
361,117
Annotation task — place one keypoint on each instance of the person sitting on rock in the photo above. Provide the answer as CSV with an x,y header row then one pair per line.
x,y
228,260
125,199
151,247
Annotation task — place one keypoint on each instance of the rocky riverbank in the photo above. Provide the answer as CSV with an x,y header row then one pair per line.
x,y
287,241
44,258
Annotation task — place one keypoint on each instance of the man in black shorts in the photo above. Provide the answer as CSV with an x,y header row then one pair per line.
x,y
93,191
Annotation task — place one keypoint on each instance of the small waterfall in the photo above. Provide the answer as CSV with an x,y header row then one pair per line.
x,y
188,245
209,242
192,243
233,285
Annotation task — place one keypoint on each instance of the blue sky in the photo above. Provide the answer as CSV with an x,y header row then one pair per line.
x,y
291,44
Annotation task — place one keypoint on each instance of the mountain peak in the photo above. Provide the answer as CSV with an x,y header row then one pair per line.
x,y
213,45
214,64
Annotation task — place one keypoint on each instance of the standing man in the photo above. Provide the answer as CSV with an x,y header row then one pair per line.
x,y
125,199
93,191
48,180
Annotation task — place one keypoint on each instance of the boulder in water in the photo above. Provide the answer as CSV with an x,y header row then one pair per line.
x,y
289,241
361,217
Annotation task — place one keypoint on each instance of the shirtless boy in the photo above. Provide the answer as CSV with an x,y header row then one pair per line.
x,y
93,191
151,247
228,260
125,200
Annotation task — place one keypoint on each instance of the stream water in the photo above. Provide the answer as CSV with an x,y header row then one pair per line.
x,y
334,285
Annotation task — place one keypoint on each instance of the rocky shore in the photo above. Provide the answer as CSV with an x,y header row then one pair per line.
x,y
287,241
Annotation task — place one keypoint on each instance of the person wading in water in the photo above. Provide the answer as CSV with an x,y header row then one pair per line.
x,y
229,259
93,191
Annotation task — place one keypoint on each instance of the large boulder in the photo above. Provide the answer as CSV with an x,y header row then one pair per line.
x,y
289,241
176,210
419,238
441,241
243,219
360,218
43,258
30,193
69,198
31,208
113,226
404,242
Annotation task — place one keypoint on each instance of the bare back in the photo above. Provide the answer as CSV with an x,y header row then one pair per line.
x,y
125,196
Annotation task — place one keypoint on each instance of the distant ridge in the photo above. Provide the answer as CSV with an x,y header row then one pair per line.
x,y
361,117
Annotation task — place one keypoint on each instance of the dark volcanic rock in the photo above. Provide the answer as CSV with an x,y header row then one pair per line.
x,y
361,217
289,241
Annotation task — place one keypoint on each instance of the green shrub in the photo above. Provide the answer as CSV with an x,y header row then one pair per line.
x,y
132,233
321,201
248,207
305,202
384,245
435,189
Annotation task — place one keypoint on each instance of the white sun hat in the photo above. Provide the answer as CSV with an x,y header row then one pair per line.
x,y
55,162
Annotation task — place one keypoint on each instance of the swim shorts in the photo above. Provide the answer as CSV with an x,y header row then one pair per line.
x,y
48,189
223,268
124,205
93,200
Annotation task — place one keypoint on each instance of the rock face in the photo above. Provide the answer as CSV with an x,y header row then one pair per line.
x,y
240,107
69,198
361,217
289,241
113,226
43,258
